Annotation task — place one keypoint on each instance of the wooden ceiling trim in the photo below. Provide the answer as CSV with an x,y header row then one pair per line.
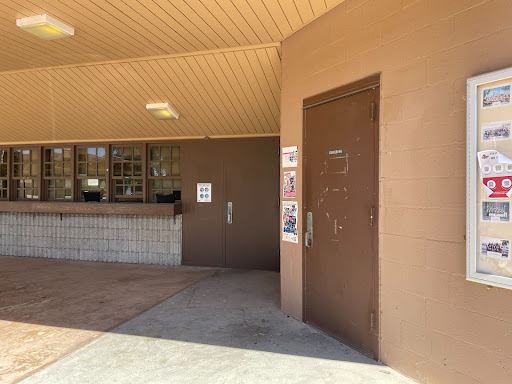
x,y
231,94
240,90
279,17
185,97
228,93
134,19
123,78
182,125
232,21
112,91
154,68
269,108
192,85
222,94
203,85
217,37
169,25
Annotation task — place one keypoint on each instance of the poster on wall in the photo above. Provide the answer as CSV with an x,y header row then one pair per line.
x,y
289,185
204,192
499,130
495,248
496,96
497,211
290,157
289,221
489,181
495,174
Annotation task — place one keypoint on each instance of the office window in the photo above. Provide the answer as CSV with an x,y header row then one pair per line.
x,y
57,174
92,170
164,171
25,174
127,176
4,167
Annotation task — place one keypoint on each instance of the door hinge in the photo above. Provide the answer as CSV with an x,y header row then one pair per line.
x,y
374,111
372,215
372,321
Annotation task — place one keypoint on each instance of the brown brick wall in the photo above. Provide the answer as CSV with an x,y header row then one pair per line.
x,y
436,327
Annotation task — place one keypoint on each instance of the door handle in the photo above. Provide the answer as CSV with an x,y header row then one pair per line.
x,y
309,230
230,212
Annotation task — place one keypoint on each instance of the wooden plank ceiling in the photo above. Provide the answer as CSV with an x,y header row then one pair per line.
x,y
126,53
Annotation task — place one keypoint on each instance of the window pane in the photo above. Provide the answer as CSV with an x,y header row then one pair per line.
x,y
82,154
137,169
154,153
175,168
117,169
26,169
67,169
48,155
175,152
137,153
101,153
57,155
154,169
35,170
157,184
26,156
3,170
82,169
165,169
117,153
91,169
67,183
128,153
127,169
177,184
91,154
101,168
58,169
166,153
67,155
48,170
17,171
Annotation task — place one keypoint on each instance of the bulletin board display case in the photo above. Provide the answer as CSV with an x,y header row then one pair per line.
x,y
489,179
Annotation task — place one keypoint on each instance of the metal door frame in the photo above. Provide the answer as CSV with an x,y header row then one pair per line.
x,y
368,83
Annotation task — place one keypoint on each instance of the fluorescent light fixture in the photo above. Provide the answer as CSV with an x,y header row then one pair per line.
x,y
45,27
162,111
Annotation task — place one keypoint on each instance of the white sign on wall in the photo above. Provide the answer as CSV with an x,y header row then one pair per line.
x,y
204,192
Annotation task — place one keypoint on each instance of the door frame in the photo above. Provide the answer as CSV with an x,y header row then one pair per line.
x,y
368,83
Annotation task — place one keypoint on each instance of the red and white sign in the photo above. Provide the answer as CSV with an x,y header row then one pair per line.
x,y
496,174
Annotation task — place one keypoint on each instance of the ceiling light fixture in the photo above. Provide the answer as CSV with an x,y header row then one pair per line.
x,y
45,27
162,111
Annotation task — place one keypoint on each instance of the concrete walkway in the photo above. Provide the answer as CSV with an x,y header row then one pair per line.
x,y
226,329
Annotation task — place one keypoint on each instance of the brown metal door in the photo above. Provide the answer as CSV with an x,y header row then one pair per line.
x,y
244,172
341,195
252,187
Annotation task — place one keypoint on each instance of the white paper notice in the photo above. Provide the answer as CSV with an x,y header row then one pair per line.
x,y
204,192
495,248
499,130
289,221
290,157
495,174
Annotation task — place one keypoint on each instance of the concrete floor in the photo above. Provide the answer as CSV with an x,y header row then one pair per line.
x,y
225,329
50,308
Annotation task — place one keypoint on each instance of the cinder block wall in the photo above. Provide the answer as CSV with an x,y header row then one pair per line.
x,y
116,239
435,326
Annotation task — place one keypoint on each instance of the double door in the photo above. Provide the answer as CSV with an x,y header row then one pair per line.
x,y
239,228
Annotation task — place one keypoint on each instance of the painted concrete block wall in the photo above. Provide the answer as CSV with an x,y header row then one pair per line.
x,y
117,239
435,326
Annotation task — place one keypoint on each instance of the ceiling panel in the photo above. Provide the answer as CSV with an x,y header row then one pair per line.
x,y
233,92
120,29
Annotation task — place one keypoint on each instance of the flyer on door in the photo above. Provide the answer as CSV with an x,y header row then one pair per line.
x,y
289,185
495,174
204,192
495,248
290,232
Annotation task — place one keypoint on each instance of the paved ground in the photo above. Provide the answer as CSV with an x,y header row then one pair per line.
x,y
50,308
226,329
